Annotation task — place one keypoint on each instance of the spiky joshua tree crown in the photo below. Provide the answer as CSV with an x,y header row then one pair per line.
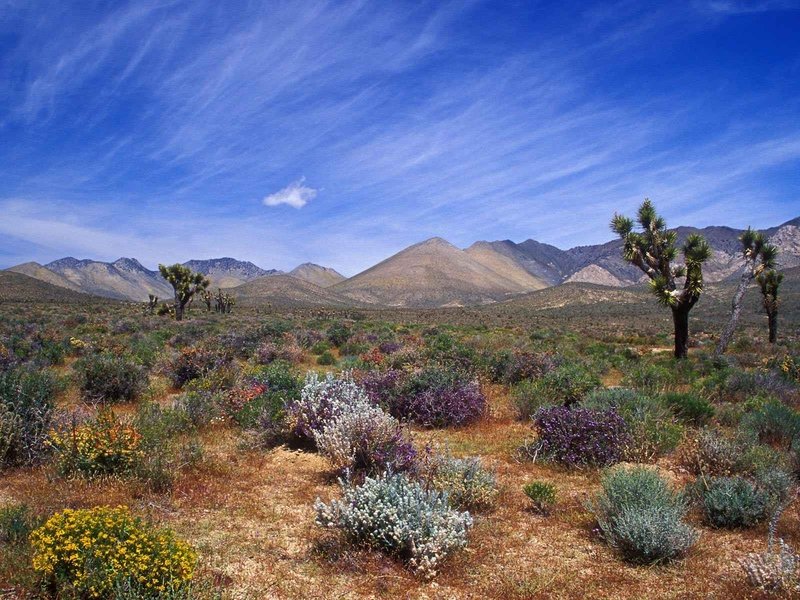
x,y
654,249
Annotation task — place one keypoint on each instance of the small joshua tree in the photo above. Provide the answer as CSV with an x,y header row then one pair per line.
x,y
223,302
152,302
185,283
653,250
207,297
759,256
770,282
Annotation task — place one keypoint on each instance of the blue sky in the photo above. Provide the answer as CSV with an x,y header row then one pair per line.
x,y
341,132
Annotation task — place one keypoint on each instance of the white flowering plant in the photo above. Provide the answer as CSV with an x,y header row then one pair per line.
x,y
401,517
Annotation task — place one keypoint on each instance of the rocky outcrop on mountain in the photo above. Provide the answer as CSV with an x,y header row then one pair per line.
x,y
228,272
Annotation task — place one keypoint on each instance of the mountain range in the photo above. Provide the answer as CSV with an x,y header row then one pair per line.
x,y
430,274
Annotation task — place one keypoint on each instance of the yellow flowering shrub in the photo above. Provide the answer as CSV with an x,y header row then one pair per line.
x,y
87,553
790,368
99,447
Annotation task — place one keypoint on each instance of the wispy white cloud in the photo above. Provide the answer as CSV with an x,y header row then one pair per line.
x,y
741,7
296,195
417,119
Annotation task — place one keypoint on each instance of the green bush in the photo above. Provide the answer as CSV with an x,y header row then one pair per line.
x,y
758,458
732,502
774,423
640,516
566,385
338,334
468,484
326,358
648,377
26,414
16,524
167,443
51,352
689,408
320,348
542,494
528,397
107,378
652,429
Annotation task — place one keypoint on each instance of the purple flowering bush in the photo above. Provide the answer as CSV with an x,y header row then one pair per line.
x,y
447,406
389,347
578,437
433,396
383,387
529,365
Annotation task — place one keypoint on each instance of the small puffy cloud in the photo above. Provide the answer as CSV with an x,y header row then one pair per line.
x,y
295,194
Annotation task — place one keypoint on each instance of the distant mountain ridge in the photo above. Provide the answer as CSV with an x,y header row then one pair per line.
x,y
603,263
429,274
123,279
127,279
228,272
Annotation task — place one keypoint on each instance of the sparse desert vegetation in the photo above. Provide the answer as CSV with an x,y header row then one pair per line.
x,y
506,451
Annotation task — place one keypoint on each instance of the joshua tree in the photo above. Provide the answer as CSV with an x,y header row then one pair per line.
x,y
223,302
759,256
185,283
207,298
652,250
152,302
770,282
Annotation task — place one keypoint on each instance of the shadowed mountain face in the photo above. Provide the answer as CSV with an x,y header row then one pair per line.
x,y
430,274
228,272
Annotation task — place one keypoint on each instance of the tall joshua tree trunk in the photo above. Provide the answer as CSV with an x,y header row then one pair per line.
x,y
178,307
680,319
770,283
758,256
736,311
772,320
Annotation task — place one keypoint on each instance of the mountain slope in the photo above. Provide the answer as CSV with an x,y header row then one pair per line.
x,y
543,261
504,265
787,238
17,287
317,274
286,290
37,271
430,274
228,272
124,279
